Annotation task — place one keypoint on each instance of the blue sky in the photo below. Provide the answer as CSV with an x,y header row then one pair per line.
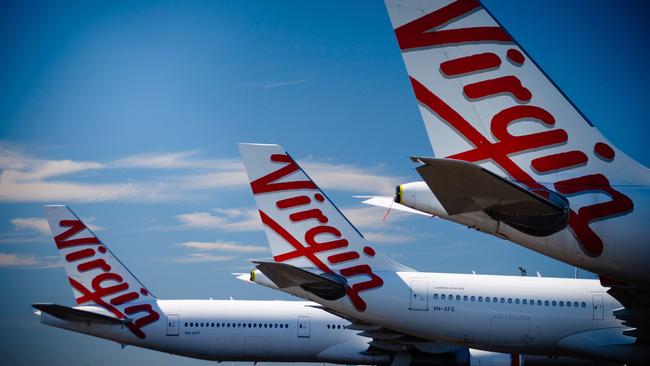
x,y
130,113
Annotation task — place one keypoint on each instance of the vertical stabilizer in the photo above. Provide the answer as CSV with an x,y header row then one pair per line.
x,y
96,275
302,225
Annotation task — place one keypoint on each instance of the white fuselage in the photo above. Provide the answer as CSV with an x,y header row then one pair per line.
x,y
230,330
625,253
530,315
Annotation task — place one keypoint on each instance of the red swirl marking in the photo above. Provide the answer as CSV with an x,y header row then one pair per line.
x,y
266,183
498,152
75,226
420,32
556,162
604,151
579,222
503,85
515,57
309,253
293,202
469,64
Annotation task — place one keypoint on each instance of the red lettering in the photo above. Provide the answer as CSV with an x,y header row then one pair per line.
x,y
469,64
343,257
293,202
94,264
135,327
80,254
75,227
353,292
557,162
620,204
498,153
420,32
504,85
309,214
266,183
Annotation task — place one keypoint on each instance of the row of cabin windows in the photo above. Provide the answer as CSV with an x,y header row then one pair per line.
x,y
235,325
503,300
332,326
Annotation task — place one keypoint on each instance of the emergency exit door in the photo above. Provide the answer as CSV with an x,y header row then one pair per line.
x,y
172,325
303,326
599,309
419,295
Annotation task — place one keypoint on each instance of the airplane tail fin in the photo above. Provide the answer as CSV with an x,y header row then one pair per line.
x,y
304,228
484,100
96,275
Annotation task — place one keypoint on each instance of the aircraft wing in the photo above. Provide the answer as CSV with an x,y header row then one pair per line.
x,y
463,187
389,203
329,286
77,315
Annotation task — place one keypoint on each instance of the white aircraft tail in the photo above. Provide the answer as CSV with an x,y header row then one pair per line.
x,y
485,101
96,275
304,228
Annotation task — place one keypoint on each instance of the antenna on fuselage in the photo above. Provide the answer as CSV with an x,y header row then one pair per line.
x,y
522,271
538,274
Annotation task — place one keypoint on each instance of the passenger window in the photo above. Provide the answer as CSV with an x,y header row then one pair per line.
x,y
524,302
494,299
435,296
546,302
575,304
583,304
457,297
480,299
473,298
451,297
561,303
275,326
443,296
503,300
516,301
487,299
186,324
532,302
553,302
465,298
509,300
539,302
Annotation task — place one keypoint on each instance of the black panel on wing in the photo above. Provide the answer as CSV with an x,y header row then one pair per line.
x,y
328,286
466,187
72,314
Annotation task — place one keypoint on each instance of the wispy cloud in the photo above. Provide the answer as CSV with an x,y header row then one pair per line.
x,y
23,260
292,82
203,257
350,178
176,160
224,246
386,237
31,223
24,178
232,219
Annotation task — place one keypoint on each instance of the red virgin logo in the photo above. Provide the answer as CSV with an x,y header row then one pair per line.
x,y
423,33
107,289
305,208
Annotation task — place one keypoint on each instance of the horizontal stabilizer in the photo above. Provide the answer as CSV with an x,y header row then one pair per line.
x,y
389,202
463,187
328,286
77,315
